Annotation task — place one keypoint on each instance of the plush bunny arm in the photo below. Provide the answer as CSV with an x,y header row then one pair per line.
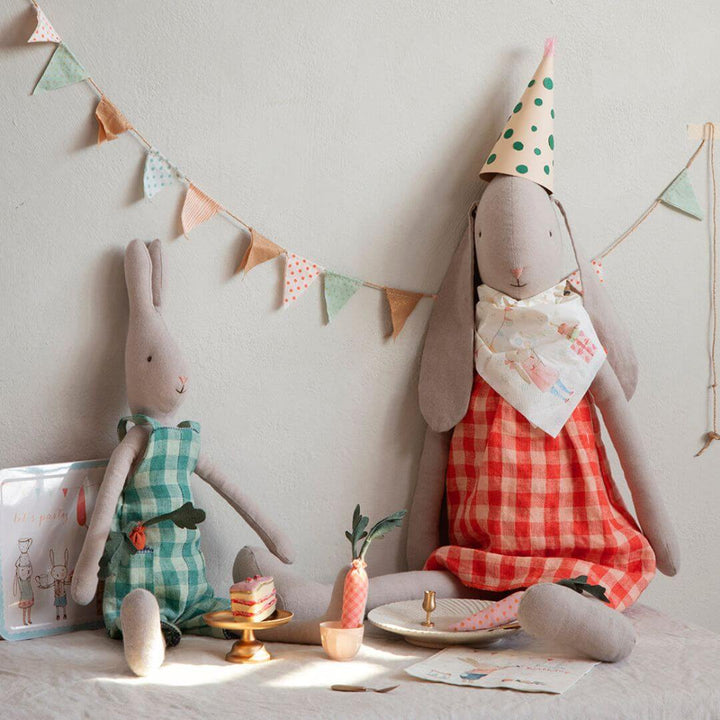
x,y
85,576
626,436
274,539
424,519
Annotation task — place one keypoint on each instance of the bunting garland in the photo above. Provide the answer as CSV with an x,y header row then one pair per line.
x,y
198,207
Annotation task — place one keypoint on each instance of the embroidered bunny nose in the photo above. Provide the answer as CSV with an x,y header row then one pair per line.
x,y
183,379
517,272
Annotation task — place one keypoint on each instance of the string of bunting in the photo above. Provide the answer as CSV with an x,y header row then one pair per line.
x,y
65,69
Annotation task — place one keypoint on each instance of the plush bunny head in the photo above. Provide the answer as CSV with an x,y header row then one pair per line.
x,y
59,572
512,244
155,372
518,243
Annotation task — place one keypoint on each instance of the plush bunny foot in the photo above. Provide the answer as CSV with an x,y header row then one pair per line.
x,y
142,637
310,602
559,614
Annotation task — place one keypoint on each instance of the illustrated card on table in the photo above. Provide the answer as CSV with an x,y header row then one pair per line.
x,y
515,669
44,515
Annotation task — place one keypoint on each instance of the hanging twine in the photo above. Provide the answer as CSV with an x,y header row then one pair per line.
x,y
713,434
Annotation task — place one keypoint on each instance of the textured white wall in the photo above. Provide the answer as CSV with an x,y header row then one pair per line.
x,y
353,133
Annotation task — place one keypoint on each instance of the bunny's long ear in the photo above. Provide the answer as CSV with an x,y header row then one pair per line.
x,y
612,333
52,557
446,369
155,251
138,276
67,557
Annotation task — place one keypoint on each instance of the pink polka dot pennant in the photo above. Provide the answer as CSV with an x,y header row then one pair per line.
x,y
299,275
574,278
44,32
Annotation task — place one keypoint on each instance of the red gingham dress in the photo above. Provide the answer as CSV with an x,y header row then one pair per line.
x,y
526,508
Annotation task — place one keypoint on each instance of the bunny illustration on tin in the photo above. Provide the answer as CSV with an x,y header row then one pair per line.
x,y
143,536
58,579
522,472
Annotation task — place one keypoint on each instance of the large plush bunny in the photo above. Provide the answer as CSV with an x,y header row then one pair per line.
x,y
143,532
509,388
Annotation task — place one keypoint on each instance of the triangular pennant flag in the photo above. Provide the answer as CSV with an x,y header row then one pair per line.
x,y
111,122
401,304
63,69
338,290
44,32
574,278
299,274
197,209
259,251
158,174
680,195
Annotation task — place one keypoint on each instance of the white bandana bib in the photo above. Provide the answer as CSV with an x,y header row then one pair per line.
x,y
539,354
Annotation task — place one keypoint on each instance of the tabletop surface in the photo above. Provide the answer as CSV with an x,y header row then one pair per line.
x,y
673,672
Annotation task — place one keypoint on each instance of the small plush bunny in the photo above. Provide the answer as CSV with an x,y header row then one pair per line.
x,y
514,369
143,531
58,580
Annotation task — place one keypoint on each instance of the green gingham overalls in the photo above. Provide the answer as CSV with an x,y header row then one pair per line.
x,y
171,566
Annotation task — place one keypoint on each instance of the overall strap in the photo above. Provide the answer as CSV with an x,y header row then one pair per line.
x,y
138,419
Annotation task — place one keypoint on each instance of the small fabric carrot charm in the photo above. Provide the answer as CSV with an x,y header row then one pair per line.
x,y
355,589
499,613
186,516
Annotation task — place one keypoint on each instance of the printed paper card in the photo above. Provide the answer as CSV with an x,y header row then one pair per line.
x,y
44,514
524,670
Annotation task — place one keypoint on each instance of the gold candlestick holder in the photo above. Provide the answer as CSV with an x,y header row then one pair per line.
x,y
429,606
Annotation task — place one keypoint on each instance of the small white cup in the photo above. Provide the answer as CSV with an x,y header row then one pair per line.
x,y
338,642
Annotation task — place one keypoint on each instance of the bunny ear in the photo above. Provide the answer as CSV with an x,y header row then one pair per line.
x,y
52,556
446,369
138,276
155,251
67,557
613,335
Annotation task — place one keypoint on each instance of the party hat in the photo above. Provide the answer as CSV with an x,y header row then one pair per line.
x,y
526,145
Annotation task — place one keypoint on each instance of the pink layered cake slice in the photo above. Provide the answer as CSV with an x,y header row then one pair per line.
x,y
253,599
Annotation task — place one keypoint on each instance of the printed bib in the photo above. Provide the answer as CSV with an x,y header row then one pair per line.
x,y
540,354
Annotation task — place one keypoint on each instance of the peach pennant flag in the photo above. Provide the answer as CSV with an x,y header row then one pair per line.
x,y
401,303
260,250
197,208
44,32
111,122
299,275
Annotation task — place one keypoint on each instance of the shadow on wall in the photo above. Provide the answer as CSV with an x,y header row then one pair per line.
x,y
98,367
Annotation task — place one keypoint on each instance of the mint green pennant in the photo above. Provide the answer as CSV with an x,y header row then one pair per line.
x,y
63,69
338,289
680,195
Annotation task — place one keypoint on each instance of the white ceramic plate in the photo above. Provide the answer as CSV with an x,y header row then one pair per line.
x,y
405,618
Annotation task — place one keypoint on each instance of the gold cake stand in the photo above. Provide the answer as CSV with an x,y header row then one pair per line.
x,y
248,649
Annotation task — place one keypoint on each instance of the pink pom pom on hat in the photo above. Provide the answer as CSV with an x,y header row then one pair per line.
x,y
526,146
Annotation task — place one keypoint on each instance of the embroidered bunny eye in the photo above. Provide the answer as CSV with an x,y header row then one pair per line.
x,y
149,358
551,233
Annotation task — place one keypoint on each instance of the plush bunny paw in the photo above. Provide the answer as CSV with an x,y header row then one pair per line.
x,y
142,634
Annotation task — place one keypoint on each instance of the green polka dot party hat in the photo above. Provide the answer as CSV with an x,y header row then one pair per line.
x,y
526,145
